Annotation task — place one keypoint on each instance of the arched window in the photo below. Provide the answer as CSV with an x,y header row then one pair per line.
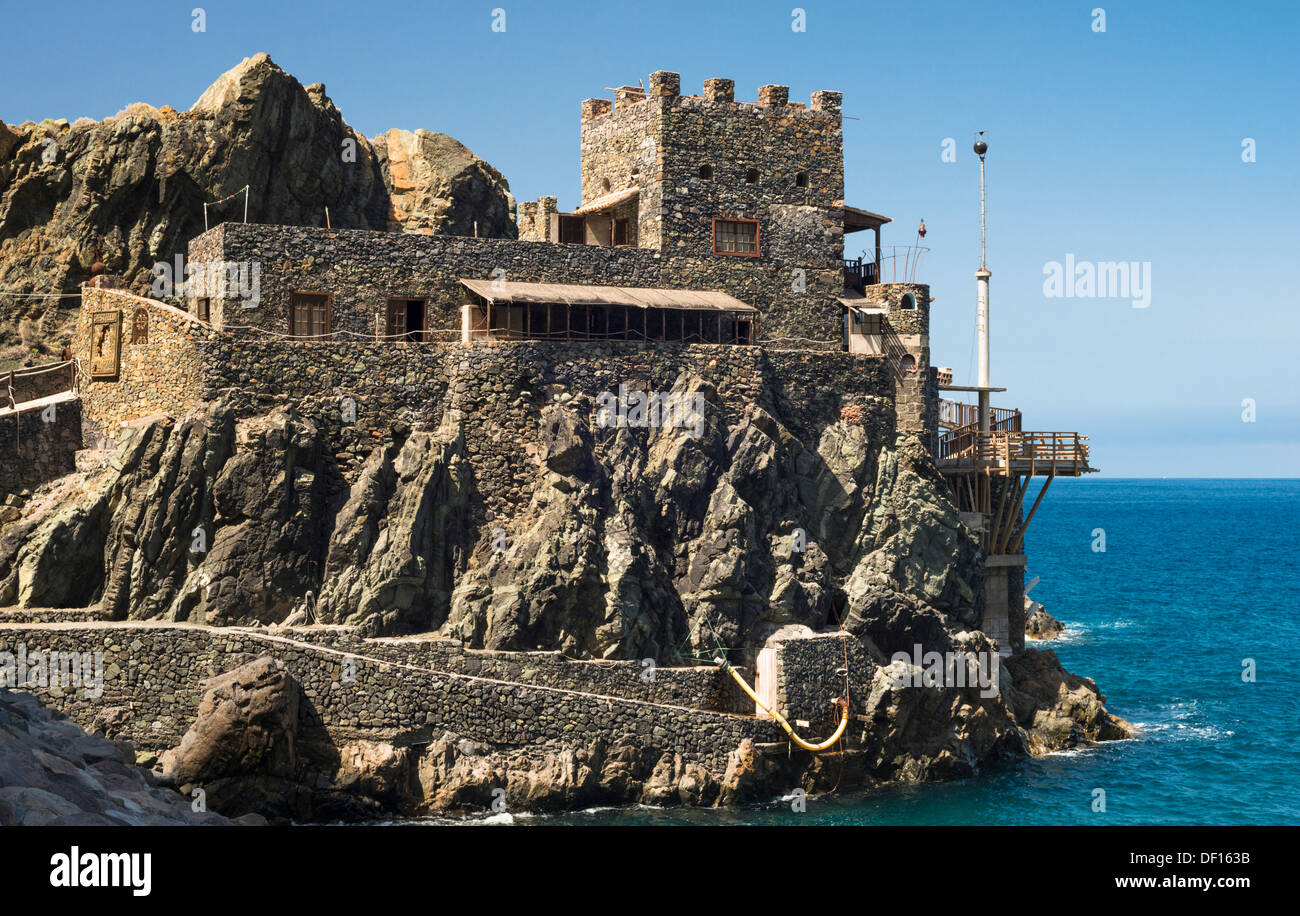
x,y
706,172
140,326
909,302
907,363
636,174
751,176
605,185
801,180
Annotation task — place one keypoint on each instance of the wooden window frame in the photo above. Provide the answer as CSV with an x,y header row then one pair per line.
x,y
758,240
204,309
329,315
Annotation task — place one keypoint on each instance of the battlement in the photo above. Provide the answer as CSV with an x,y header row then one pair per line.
x,y
665,87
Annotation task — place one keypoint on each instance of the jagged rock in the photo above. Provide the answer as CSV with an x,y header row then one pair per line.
x,y
53,774
1038,623
271,502
1059,709
397,541
435,184
142,176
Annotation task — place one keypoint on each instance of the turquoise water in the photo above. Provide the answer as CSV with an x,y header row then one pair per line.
x,y
1197,575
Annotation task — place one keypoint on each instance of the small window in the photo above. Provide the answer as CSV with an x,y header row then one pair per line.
x,y
205,309
622,232
736,237
706,172
801,180
751,176
636,174
909,302
605,185
140,326
309,315
907,363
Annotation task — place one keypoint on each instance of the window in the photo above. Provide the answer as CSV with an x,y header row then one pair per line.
x,y
801,180
309,315
573,229
909,301
605,186
908,363
751,176
140,326
622,232
736,237
706,172
205,309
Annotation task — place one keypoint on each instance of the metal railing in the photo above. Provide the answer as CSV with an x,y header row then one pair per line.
x,y
895,264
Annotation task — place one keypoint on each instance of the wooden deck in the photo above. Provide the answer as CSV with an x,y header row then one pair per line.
x,y
1010,452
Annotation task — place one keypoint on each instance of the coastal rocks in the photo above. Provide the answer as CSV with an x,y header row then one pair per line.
x,y
396,545
919,732
54,774
1039,624
241,748
1058,709
144,175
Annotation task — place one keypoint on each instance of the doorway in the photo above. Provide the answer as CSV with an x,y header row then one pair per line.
x,y
406,320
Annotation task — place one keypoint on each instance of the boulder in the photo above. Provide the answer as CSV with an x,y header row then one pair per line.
x,y
54,774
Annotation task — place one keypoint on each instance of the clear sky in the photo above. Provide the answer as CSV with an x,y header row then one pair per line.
x,y
1117,145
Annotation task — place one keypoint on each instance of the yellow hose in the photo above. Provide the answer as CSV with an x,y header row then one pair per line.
x,y
839,732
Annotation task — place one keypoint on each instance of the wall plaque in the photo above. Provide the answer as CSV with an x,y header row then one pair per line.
x,y
105,341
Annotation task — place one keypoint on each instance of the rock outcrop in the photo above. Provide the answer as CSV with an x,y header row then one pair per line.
x,y
1039,624
140,180
241,749
54,774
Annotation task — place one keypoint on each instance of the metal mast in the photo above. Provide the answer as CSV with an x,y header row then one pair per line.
x,y
982,297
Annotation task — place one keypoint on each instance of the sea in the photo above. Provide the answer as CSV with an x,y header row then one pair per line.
x,y
1180,599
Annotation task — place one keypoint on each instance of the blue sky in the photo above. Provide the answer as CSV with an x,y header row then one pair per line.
x,y
1122,145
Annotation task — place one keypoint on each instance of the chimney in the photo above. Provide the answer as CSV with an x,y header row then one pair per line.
x,y
719,90
665,84
773,96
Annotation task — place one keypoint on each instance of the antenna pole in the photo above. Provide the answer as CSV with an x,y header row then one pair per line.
x,y
982,299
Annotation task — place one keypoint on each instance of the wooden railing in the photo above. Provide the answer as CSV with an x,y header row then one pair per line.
x,y
1029,452
954,415
860,273
36,382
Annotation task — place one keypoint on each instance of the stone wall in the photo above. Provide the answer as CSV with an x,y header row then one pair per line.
x,y
496,392
38,444
157,671
808,682
361,270
697,687
159,374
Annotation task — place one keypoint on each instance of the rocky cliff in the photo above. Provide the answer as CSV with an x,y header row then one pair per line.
x,y
636,543
140,179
